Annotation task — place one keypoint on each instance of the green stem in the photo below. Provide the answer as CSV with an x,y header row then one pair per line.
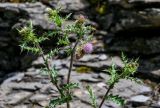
x,y
70,68
49,70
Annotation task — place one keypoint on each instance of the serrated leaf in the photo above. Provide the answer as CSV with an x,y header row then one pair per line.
x,y
68,16
130,67
117,99
63,41
44,71
30,49
135,80
58,101
69,86
55,17
124,59
92,97
52,53
41,39
54,72
114,75
68,51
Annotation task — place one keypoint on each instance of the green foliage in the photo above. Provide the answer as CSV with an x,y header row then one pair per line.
x,y
54,73
92,97
114,75
27,33
126,72
56,18
52,53
30,40
69,86
129,69
31,43
29,49
63,99
115,98
58,101
134,79
63,41
68,51
44,71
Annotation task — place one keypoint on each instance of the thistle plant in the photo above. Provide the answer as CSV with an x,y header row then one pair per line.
x,y
31,42
127,72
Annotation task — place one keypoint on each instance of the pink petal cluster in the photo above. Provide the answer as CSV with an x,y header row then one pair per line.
x,y
88,48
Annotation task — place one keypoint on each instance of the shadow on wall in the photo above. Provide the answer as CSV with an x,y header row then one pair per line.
x,y
12,17
134,28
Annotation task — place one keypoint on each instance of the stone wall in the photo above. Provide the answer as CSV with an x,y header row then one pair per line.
x,y
16,15
132,25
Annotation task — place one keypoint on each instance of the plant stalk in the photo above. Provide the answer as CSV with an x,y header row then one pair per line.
x,y
48,68
70,68
106,94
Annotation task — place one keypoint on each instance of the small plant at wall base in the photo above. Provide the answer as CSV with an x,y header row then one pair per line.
x,y
129,69
31,42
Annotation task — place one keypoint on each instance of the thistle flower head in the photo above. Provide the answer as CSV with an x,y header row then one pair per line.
x,y
80,20
79,52
88,48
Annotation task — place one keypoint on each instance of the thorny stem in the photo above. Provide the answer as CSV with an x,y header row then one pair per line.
x,y
70,68
48,68
104,97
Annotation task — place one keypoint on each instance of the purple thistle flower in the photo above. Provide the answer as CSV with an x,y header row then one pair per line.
x,y
88,48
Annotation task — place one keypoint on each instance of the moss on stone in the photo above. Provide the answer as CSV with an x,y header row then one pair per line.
x,y
83,69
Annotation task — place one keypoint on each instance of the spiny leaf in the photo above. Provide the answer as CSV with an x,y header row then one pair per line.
x,y
53,33
69,86
114,75
68,16
117,99
92,97
63,41
54,72
41,39
30,49
22,45
130,67
28,34
44,71
54,16
68,51
58,101
52,53
124,58
134,79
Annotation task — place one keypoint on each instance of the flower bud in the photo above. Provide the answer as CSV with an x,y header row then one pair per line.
x,y
80,20
79,53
